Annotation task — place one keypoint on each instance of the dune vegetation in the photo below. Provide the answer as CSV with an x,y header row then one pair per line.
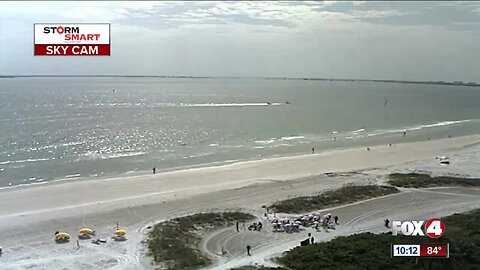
x,y
343,195
174,244
419,180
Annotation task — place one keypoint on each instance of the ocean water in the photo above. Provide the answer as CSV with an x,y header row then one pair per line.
x,y
71,128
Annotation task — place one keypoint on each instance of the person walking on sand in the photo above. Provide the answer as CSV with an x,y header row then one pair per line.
x,y
313,150
236,226
153,170
387,223
336,219
248,250
312,240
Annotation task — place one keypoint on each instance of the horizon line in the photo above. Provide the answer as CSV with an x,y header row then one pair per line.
x,y
441,82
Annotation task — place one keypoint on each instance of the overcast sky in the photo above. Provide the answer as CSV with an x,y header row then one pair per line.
x,y
379,40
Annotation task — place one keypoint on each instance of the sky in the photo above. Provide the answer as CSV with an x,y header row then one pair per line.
x,y
327,39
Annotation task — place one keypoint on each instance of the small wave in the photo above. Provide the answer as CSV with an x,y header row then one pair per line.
x,y
120,155
213,144
72,175
419,127
439,124
72,143
198,155
23,161
266,141
280,145
291,138
358,131
232,146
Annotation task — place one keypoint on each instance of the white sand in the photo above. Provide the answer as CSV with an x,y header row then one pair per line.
x,y
29,216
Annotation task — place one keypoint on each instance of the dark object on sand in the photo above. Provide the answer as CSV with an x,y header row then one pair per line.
x,y
336,219
305,242
255,226
444,161
248,250
387,223
312,240
99,241
96,242
153,170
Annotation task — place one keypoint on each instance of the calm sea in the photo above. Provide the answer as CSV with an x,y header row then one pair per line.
x,y
70,128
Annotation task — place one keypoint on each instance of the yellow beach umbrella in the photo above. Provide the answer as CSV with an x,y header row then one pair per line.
x,y
62,235
85,231
120,232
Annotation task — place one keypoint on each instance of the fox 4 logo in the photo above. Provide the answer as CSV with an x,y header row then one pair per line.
x,y
434,228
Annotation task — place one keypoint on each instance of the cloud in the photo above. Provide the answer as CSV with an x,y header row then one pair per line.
x,y
310,38
358,3
359,14
329,3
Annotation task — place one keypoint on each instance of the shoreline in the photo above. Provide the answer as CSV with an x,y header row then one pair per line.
x,y
126,191
217,164
136,203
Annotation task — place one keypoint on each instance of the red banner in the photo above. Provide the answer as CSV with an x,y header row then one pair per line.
x,y
434,250
73,49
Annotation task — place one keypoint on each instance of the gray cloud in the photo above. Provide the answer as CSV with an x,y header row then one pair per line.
x,y
393,40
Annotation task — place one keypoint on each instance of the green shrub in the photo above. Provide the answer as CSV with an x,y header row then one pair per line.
x,y
344,195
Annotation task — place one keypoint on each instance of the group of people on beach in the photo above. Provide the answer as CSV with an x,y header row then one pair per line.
x,y
255,226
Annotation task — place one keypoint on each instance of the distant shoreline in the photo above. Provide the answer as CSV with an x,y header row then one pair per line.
x,y
457,83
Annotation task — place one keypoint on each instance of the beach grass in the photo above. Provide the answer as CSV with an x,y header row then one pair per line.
x,y
372,251
343,195
419,180
174,244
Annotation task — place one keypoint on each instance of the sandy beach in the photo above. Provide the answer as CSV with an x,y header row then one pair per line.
x,y
31,214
